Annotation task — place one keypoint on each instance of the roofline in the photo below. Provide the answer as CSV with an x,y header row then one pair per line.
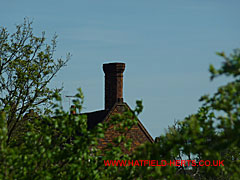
x,y
139,122
142,127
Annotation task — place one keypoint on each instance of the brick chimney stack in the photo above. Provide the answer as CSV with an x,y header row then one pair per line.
x,y
113,83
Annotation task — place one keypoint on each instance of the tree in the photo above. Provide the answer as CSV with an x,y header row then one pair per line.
x,y
47,146
210,134
62,147
27,65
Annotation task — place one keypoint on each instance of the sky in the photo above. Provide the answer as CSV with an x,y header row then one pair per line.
x,y
167,46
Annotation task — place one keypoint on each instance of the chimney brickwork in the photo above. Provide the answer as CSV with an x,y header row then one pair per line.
x,y
113,83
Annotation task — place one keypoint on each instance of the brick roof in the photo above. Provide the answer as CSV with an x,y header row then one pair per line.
x,y
93,118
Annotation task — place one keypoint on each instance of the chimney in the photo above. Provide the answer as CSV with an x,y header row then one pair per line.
x,y
113,83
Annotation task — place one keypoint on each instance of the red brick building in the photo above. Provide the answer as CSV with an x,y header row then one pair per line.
x,y
114,104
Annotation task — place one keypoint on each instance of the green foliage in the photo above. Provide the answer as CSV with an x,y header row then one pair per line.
x,y
27,65
210,134
62,146
230,66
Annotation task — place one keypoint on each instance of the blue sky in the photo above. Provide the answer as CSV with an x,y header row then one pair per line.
x,y
167,46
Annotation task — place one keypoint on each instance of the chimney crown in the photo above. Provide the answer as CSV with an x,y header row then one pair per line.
x,y
113,68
